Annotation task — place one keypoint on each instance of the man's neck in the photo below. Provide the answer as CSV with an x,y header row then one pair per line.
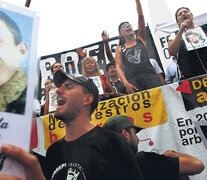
x,y
77,128
114,78
130,41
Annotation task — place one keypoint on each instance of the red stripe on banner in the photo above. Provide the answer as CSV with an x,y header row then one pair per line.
x,y
34,137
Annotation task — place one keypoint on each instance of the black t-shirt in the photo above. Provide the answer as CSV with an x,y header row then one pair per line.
x,y
136,61
120,88
158,167
188,61
97,155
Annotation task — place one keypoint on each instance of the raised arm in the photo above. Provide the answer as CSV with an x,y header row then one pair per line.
x,y
109,54
129,87
46,105
141,23
174,43
188,165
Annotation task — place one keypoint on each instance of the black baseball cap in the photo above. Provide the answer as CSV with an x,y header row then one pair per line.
x,y
120,122
60,77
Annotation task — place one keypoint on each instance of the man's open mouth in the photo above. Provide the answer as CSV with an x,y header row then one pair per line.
x,y
129,29
60,101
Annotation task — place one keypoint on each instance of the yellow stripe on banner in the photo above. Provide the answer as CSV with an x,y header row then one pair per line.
x,y
54,129
146,108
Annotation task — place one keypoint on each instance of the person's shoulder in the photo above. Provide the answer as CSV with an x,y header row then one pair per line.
x,y
138,40
153,61
56,145
109,134
106,131
149,157
204,27
143,154
152,156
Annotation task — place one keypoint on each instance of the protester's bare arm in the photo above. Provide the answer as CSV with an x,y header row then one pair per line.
x,y
129,87
46,105
188,165
28,161
141,23
161,79
174,45
109,54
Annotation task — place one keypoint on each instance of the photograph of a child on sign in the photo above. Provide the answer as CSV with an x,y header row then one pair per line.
x,y
194,38
70,67
14,52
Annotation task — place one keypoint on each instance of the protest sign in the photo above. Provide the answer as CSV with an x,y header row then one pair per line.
x,y
19,29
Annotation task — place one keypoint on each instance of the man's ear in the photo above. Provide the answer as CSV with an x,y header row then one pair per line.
x,y
23,48
125,134
88,99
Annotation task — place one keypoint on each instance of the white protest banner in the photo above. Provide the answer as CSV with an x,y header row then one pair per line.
x,y
186,105
18,69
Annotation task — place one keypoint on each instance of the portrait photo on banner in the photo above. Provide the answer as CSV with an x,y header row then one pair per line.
x,y
15,35
70,67
18,79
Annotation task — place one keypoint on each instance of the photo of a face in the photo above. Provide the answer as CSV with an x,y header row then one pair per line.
x,y
14,50
70,67
194,38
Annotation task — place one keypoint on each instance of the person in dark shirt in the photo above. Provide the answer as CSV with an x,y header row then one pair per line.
x,y
87,151
115,80
192,62
169,165
132,60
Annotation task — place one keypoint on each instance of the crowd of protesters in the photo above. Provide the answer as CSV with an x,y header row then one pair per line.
x,y
92,152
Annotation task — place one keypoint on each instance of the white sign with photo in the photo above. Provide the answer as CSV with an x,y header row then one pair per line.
x,y
194,39
97,82
20,31
52,100
70,67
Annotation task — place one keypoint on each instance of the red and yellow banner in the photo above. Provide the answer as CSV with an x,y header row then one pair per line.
x,y
146,109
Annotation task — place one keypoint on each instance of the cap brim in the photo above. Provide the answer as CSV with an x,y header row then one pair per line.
x,y
138,128
60,77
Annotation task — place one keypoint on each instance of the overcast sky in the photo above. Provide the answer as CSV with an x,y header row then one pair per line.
x,y
69,24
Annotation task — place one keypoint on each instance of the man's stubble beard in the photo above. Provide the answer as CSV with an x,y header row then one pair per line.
x,y
68,116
